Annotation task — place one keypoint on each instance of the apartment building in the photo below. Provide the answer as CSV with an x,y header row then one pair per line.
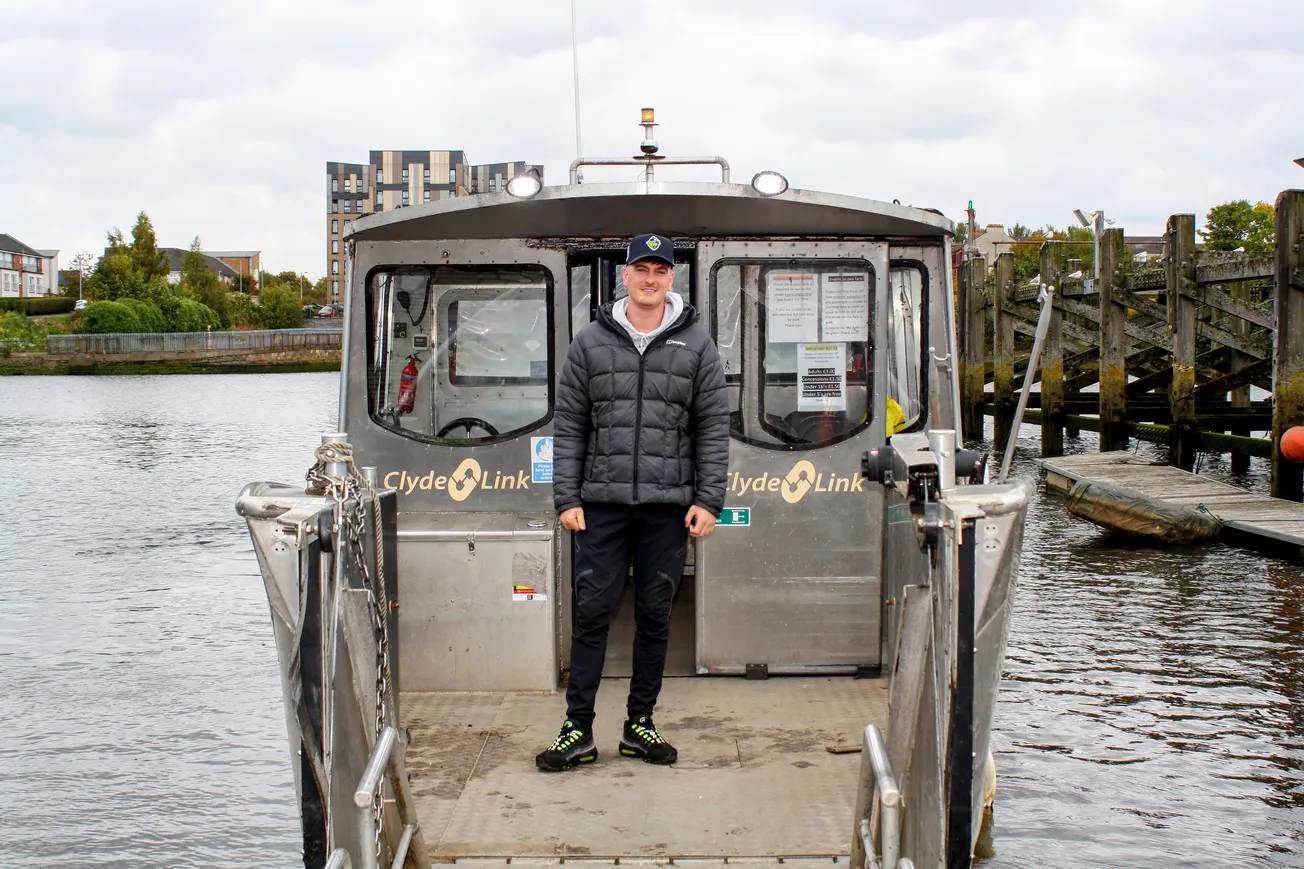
x,y
396,179
25,271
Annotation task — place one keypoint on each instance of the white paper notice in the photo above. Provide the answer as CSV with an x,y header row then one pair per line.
x,y
822,377
844,299
790,307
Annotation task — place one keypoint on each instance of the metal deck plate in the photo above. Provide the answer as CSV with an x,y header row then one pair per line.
x,y
754,778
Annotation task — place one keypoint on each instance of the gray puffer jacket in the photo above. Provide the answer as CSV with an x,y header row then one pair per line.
x,y
641,429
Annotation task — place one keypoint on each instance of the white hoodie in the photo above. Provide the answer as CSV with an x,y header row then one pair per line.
x,y
674,307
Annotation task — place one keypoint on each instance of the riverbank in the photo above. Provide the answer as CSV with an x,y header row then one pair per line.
x,y
295,360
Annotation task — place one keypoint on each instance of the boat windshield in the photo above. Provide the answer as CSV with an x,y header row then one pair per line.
x,y
459,354
795,340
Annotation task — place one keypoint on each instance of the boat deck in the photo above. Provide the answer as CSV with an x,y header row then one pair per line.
x,y
754,778
1254,520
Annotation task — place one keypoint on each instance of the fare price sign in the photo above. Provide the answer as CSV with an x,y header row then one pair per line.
x,y
735,517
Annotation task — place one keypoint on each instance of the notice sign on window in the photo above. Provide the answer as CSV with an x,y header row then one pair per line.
x,y
791,313
821,377
844,306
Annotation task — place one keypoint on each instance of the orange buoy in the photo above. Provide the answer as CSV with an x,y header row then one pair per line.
x,y
1292,444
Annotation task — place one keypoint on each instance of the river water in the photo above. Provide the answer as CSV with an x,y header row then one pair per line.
x,y
1152,714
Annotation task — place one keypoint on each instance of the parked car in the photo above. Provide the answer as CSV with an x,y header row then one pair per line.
x,y
81,303
310,310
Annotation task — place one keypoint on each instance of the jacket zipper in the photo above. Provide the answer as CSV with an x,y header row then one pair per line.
x,y
638,416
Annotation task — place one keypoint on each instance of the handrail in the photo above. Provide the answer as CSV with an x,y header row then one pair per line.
x,y
378,764
339,859
877,787
650,162
401,852
365,792
364,796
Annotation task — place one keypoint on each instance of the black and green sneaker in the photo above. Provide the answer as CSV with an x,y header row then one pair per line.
x,y
571,748
641,739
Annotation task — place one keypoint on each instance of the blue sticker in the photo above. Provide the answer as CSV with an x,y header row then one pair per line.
x,y
540,460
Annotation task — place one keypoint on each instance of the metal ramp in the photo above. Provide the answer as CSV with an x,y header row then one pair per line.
x,y
754,783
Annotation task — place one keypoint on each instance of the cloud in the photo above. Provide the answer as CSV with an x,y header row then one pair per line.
x,y
218,119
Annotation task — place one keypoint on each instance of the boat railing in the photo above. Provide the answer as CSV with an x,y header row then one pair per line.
x,y
339,859
380,766
878,805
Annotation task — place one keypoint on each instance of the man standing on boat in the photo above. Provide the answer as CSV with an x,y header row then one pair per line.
x,y
640,457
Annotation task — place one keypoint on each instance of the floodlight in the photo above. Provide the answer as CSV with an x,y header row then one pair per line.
x,y
525,185
1082,218
769,183
1299,161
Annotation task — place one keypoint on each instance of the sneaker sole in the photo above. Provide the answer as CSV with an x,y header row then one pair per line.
x,y
571,764
637,751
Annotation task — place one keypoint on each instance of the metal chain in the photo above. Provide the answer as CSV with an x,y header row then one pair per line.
x,y
347,492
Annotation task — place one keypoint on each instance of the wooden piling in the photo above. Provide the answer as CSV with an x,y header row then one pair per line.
x,y
1287,478
1003,395
974,347
1180,287
1052,356
1240,397
1113,344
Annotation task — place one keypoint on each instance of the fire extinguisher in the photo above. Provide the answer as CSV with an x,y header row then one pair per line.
x,y
407,386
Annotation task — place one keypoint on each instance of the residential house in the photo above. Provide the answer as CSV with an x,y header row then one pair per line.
x,y
26,272
177,256
247,263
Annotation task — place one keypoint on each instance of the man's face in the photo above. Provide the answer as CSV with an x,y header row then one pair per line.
x,y
648,281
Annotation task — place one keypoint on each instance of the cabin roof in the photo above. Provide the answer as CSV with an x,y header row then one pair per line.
x,y
676,209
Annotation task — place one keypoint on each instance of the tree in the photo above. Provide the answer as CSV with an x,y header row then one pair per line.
x,y
1238,224
281,308
240,310
83,263
318,294
1019,232
145,254
115,277
961,233
200,283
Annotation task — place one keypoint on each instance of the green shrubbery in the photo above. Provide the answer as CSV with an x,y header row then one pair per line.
x,y
137,315
20,334
33,307
281,309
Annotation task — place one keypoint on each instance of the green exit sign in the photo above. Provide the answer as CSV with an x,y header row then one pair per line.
x,y
735,516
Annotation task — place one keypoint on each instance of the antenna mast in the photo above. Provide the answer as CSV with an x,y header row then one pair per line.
x,y
575,65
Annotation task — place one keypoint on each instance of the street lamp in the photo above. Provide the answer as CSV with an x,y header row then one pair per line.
x,y
1095,221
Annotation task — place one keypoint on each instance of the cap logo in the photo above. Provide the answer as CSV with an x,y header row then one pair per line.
x,y
653,243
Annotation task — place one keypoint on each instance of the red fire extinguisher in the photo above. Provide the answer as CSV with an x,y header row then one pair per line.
x,y
407,386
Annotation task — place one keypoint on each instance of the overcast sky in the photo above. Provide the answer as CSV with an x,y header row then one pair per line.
x,y
218,118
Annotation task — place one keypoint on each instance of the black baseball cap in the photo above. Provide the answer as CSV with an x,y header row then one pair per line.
x,y
650,246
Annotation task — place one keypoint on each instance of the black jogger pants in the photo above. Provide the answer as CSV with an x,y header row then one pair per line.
x,y
657,536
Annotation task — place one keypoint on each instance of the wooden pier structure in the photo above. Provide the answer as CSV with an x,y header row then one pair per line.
x,y
1255,521
1163,351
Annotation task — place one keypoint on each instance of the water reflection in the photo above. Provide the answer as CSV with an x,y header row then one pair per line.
x,y
1151,708
138,691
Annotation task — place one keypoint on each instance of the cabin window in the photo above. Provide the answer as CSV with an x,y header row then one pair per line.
x,y
480,338
581,297
794,337
907,286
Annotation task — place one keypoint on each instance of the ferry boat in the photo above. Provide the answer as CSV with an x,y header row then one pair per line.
x,y
836,644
